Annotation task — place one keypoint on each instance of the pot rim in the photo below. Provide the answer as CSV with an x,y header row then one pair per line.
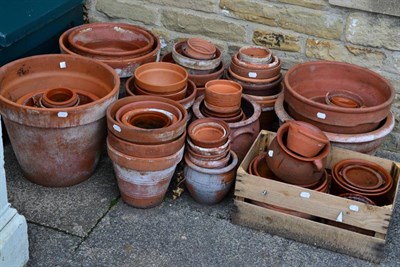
x,y
223,170
314,104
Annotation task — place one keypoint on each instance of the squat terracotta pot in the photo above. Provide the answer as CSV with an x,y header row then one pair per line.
x,y
223,94
200,49
255,54
75,133
208,132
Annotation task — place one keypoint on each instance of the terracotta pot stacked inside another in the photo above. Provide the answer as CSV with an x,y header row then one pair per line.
x,y
223,99
146,139
123,47
259,73
163,79
201,58
362,177
210,163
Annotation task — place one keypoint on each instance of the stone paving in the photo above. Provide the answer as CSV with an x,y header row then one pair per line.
x,y
89,225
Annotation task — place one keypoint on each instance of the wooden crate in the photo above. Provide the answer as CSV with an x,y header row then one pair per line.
x,y
322,205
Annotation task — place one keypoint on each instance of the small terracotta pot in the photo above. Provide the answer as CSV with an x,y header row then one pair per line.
x,y
145,136
179,95
60,97
146,151
200,49
212,152
291,167
255,73
161,77
255,54
344,99
362,177
252,80
275,63
223,93
148,118
210,186
258,167
209,163
111,39
196,64
305,139
204,157
209,132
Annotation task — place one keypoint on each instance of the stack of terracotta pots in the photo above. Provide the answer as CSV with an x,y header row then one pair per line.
x,y
222,100
163,79
259,73
145,142
54,108
363,178
350,103
202,59
210,163
123,47
298,154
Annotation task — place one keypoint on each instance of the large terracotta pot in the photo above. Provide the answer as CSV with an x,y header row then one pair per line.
x,y
210,186
307,81
57,146
124,66
243,133
365,142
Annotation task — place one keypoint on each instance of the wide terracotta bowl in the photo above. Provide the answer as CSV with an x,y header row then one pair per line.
x,y
209,132
316,79
161,77
110,39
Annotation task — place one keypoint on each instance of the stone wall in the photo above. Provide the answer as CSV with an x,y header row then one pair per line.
x,y
296,30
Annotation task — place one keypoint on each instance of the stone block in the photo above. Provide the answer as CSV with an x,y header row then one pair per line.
x,y
128,9
313,22
329,50
389,7
373,30
276,40
204,5
315,4
199,24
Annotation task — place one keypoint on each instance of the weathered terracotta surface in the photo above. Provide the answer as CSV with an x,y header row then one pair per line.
x,y
243,133
365,143
255,54
258,167
209,132
142,135
316,79
262,89
56,146
223,96
210,186
275,63
291,167
161,77
124,66
200,49
344,99
110,39
305,139
363,185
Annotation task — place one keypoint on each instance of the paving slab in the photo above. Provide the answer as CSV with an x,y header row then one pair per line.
x,y
74,209
48,247
170,235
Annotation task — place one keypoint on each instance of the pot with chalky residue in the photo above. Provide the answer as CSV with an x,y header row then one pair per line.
x,y
210,186
58,146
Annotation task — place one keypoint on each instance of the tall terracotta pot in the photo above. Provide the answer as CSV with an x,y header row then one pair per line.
x,y
57,146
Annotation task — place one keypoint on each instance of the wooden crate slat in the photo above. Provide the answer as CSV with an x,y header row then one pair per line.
x,y
309,232
318,204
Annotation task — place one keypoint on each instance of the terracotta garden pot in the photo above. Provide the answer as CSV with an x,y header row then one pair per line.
x,y
291,167
59,98
273,64
223,96
110,39
200,49
179,95
143,182
143,135
244,132
209,132
210,186
124,66
211,162
313,79
255,54
305,139
252,80
254,74
258,167
75,133
161,77
365,143
344,99
195,64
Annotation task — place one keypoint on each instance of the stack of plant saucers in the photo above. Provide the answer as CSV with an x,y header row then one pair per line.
x,y
362,177
201,58
210,163
146,139
163,79
222,100
259,73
